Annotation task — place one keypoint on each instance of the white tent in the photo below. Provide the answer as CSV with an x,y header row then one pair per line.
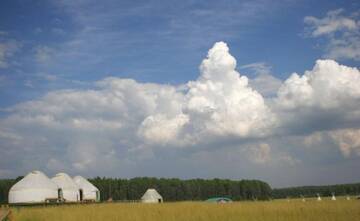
x,y
70,190
333,197
318,197
151,196
35,187
87,190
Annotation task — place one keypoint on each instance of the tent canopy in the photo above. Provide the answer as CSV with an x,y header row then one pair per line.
x,y
65,182
35,187
84,184
219,200
89,191
70,190
34,180
151,196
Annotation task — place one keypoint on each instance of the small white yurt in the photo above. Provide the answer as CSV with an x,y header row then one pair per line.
x,y
333,197
151,196
70,190
88,192
318,197
302,198
35,187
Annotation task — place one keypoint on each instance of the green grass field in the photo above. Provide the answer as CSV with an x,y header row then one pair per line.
x,y
279,210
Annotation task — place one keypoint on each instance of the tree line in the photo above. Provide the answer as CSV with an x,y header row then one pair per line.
x,y
171,189
312,191
174,189
5,185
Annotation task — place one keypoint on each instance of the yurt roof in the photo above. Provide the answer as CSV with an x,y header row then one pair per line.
x,y
65,182
151,194
34,180
218,199
84,183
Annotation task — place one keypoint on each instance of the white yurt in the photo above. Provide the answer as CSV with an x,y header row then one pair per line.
x,y
69,189
88,191
333,197
318,197
35,187
151,196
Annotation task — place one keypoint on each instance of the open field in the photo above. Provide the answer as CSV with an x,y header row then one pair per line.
x,y
248,211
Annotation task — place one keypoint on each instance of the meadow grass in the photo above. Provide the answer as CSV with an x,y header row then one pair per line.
x,y
278,210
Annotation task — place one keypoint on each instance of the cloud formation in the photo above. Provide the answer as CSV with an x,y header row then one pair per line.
x,y
342,32
333,22
261,153
219,103
326,97
43,54
7,50
348,141
120,123
263,82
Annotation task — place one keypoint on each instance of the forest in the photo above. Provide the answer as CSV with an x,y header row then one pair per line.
x,y
311,191
179,190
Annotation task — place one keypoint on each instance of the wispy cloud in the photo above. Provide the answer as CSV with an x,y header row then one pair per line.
x,y
264,82
44,54
342,32
7,49
258,67
115,29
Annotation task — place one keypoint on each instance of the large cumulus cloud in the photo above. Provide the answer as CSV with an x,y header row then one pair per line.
x,y
324,98
121,123
219,103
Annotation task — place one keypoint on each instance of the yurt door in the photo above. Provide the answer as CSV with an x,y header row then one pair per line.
x,y
81,195
97,196
60,195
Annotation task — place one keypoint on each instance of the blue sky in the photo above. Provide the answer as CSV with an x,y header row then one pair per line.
x,y
86,47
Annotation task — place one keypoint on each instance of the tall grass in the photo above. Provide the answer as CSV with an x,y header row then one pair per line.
x,y
187,211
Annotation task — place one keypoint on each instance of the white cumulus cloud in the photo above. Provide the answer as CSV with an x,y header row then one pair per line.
x,y
264,82
348,141
326,97
219,103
